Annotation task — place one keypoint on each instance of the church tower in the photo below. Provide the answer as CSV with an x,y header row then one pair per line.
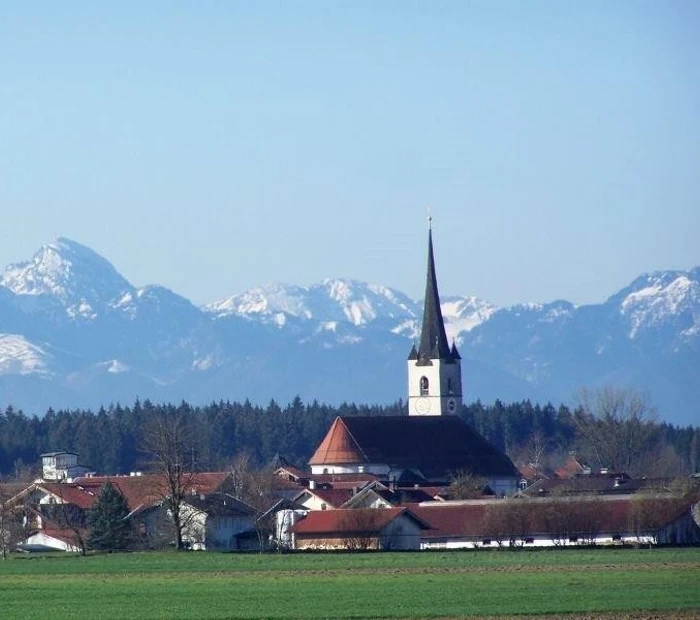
x,y
435,368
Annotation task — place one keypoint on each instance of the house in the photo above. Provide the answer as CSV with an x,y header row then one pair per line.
x,y
56,511
598,484
376,495
54,527
532,472
572,467
217,522
323,498
359,529
61,466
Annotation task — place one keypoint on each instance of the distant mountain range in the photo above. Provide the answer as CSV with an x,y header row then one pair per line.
x,y
75,333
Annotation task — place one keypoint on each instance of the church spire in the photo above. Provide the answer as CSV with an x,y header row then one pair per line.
x,y
433,340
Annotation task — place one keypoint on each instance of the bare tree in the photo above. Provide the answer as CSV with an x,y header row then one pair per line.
x,y
616,424
649,513
508,520
361,527
73,519
170,455
466,486
255,487
11,528
558,519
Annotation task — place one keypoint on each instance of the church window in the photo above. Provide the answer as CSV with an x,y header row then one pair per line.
x,y
449,386
424,385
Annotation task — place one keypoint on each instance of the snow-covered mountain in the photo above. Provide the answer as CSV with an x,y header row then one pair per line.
x,y
74,332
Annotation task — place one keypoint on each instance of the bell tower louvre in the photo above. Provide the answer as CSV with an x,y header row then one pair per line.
x,y
435,368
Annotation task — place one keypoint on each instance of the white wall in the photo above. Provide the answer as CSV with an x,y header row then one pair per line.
x,y
439,374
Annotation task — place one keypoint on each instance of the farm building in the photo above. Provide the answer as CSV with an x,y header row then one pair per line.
x,y
391,528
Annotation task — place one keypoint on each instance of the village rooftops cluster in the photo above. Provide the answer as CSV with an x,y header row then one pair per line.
x,y
361,511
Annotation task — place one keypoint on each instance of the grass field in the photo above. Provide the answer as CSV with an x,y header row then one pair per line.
x,y
620,583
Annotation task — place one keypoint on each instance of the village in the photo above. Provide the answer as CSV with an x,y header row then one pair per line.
x,y
425,480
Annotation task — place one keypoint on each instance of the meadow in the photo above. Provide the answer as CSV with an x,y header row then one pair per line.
x,y
609,583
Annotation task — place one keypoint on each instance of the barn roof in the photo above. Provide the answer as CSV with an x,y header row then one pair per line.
x,y
351,521
471,519
438,446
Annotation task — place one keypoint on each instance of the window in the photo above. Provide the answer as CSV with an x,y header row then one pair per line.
x,y
424,385
449,386
529,541
617,538
573,539
486,541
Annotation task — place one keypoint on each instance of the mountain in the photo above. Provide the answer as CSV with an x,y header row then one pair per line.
x,y
75,333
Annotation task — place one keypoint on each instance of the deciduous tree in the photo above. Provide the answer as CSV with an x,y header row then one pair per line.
x,y
170,455
616,424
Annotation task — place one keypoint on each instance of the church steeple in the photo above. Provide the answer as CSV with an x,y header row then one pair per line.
x,y
434,369
433,340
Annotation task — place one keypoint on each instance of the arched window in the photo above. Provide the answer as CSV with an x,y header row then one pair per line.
x,y
424,385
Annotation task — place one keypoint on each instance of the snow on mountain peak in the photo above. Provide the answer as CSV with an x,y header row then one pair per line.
x,y
349,301
651,299
265,301
74,274
462,314
20,357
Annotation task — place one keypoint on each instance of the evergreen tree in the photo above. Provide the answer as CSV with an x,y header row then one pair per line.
x,y
109,528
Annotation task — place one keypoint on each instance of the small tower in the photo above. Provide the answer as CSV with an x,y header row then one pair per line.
x,y
435,368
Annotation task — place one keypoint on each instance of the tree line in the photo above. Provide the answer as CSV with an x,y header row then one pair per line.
x,y
611,429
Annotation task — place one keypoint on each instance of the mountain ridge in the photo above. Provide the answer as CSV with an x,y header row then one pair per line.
x,y
75,332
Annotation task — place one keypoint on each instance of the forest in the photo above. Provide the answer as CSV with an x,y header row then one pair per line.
x,y
610,429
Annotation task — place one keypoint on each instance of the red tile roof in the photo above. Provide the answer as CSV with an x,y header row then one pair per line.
x,y
338,446
472,519
350,521
139,491
571,468
333,497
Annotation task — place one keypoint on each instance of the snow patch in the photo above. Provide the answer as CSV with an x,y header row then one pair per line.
x,y
18,356
652,304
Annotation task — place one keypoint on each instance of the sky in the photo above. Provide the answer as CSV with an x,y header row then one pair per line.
x,y
214,146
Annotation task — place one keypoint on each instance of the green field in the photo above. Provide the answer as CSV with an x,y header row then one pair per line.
x,y
374,585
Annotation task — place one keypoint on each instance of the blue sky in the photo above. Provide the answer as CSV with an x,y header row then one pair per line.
x,y
213,146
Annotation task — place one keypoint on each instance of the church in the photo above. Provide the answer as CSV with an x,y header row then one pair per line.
x,y
430,445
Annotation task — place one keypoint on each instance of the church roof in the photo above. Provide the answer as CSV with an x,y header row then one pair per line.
x,y
437,446
338,446
433,339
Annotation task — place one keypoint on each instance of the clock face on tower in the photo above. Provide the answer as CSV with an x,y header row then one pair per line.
x,y
451,405
423,405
